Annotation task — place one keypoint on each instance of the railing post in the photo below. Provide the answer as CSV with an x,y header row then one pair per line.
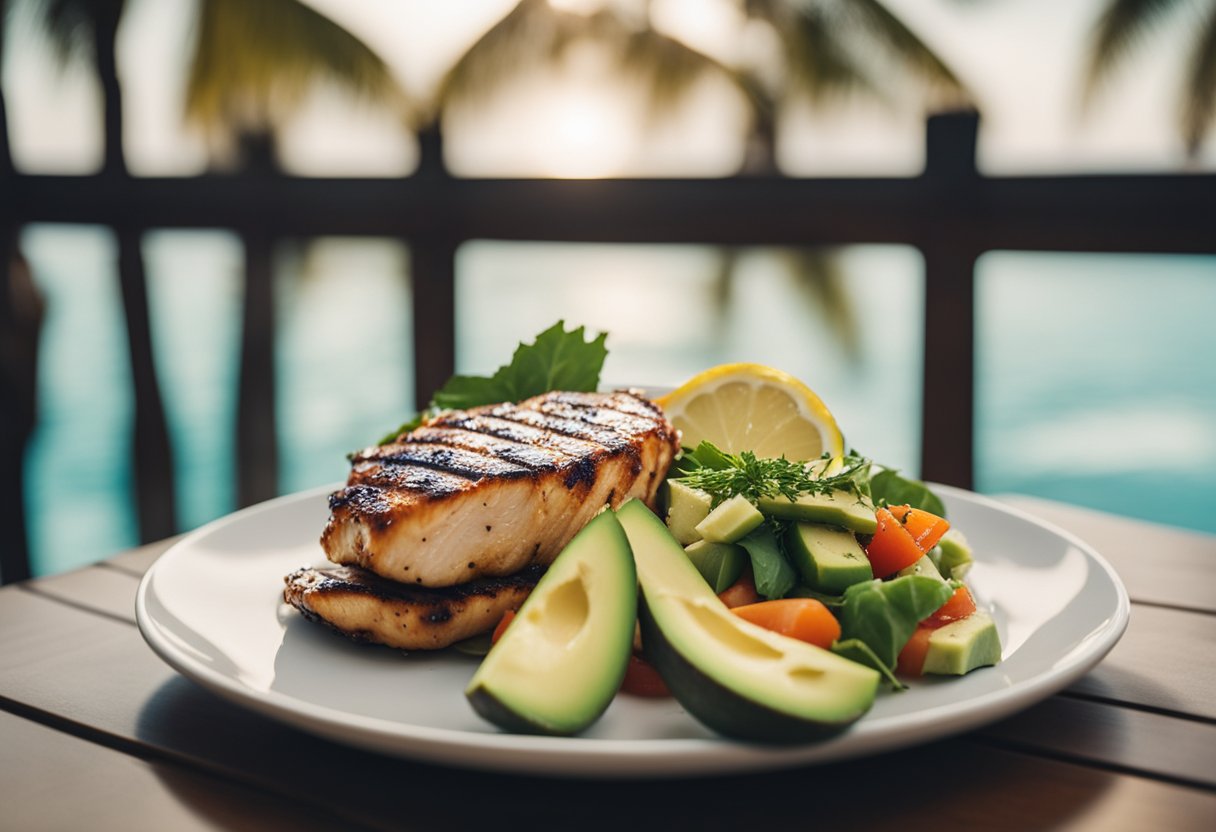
x,y
948,387
21,312
433,289
257,450
154,487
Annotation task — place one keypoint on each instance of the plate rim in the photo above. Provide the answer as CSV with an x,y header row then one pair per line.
x,y
609,757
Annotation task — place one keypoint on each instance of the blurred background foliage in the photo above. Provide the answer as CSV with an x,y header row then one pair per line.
x,y
589,88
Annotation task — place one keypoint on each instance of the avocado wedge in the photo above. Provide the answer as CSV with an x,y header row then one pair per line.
x,y
557,667
739,679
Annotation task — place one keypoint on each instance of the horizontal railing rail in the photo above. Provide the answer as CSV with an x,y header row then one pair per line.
x,y
950,213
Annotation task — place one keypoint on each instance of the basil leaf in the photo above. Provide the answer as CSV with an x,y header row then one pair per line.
x,y
557,360
858,651
771,571
887,487
884,614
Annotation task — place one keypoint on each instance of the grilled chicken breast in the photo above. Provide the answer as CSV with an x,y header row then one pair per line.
x,y
369,608
491,490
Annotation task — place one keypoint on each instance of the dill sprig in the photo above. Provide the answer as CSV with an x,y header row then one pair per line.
x,y
727,475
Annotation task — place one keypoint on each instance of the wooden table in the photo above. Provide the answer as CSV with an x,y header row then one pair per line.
x,y
96,732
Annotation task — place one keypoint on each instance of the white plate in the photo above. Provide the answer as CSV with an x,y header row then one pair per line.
x,y
211,607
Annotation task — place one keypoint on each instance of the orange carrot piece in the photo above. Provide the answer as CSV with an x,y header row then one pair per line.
x,y
911,660
926,528
892,548
504,622
960,605
802,618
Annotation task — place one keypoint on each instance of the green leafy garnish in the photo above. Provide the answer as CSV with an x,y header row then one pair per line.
x,y
770,568
858,651
888,488
723,475
557,360
884,614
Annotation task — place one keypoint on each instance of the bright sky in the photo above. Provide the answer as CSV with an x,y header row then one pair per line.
x,y
1021,58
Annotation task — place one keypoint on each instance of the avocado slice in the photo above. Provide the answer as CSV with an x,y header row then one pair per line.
x,y
961,646
686,507
828,559
739,679
557,667
720,564
731,520
846,509
924,567
954,559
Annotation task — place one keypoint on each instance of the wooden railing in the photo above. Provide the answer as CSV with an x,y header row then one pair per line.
x,y
950,213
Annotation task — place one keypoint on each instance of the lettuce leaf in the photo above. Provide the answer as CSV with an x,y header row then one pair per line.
x,y
884,614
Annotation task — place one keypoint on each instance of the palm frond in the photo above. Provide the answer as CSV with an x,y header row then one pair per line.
x,y
888,32
837,47
667,68
254,63
1199,96
531,35
68,24
817,62
1121,28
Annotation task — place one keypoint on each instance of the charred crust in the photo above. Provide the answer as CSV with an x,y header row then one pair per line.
x,y
582,472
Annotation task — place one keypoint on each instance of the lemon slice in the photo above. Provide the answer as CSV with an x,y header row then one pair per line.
x,y
750,407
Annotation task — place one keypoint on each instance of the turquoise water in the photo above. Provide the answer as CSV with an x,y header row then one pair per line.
x,y
1094,380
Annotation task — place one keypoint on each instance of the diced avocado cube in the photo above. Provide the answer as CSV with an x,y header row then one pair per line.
x,y
925,567
847,509
828,559
686,507
955,559
961,646
720,564
730,521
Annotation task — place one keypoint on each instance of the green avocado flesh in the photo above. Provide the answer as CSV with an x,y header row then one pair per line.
x,y
686,507
739,679
730,521
561,661
828,559
961,646
835,508
720,564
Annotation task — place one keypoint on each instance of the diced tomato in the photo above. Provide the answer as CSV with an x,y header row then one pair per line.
x,y
802,618
641,679
892,548
911,660
960,605
926,529
741,592
507,618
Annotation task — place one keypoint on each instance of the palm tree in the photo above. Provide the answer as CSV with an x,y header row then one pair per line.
x,y
829,49
1123,27
255,63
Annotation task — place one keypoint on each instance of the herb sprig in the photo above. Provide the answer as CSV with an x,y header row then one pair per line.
x,y
723,475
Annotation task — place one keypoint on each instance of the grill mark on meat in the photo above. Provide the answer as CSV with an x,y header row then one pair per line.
x,y
373,476
519,432
623,423
625,402
531,456
612,440
442,615
468,464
